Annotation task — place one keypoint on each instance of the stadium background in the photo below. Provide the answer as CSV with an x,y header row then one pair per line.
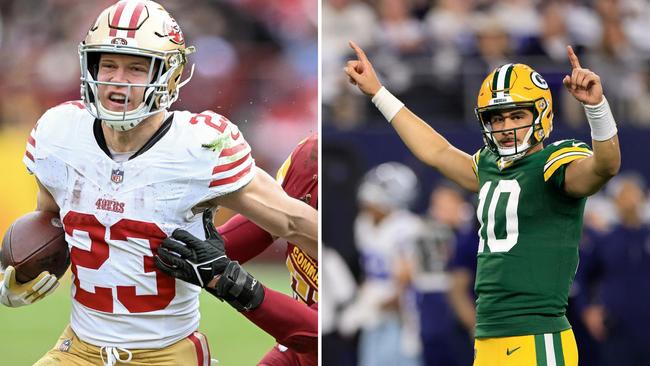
x,y
256,64
433,55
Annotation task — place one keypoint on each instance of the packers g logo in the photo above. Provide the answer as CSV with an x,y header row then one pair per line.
x,y
538,80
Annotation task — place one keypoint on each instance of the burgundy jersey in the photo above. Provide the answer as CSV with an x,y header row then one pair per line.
x,y
299,178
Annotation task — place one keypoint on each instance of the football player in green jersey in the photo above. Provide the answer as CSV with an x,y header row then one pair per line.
x,y
531,201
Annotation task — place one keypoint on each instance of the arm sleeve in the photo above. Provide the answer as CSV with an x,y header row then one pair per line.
x,y
292,323
243,239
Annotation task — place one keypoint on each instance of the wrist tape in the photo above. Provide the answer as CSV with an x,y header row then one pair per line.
x,y
601,121
387,103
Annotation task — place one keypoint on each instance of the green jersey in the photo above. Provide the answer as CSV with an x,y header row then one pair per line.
x,y
528,241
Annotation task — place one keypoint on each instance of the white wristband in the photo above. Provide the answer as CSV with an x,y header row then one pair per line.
x,y
601,121
387,103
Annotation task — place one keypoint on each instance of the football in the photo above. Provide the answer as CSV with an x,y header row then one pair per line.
x,y
35,243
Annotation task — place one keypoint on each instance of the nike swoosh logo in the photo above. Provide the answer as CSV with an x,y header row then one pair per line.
x,y
509,352
576,144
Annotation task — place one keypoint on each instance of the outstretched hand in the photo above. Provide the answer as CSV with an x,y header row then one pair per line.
x,y
361,73
583,84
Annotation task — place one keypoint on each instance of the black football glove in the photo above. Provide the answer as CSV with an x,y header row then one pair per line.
x,y
191,259
196,261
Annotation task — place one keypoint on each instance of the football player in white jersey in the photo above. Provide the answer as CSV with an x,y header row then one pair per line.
x,y
123,172
383,230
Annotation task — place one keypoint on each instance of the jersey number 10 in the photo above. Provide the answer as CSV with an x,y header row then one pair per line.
x,y
489,216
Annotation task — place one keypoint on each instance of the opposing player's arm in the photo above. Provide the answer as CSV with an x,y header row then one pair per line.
x,y
585,177
292,323
423,141
265,203
243,239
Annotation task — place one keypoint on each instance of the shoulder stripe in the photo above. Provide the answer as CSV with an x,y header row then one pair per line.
x,y
562,160
233,150
232,179
29,155
229,166
565,150
475,160
31,140
77,103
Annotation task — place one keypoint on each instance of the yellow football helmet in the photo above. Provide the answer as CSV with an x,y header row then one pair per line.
x,y
137,28
515,86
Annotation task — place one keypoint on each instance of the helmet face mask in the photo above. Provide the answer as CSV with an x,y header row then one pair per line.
x,y
510,87
134,28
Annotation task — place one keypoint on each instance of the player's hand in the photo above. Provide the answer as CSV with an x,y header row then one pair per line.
x,y
594,320
15,294
204,263
191,259
583,84
361,73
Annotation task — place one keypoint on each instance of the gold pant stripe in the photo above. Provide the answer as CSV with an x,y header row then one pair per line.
x,y
553,349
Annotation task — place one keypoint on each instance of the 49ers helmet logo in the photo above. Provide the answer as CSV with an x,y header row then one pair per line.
x,y
174,31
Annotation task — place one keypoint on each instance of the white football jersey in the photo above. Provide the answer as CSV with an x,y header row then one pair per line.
x,y
380,245
116,215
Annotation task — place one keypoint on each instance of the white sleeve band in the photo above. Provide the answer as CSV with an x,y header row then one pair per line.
x,y
387,103
601,121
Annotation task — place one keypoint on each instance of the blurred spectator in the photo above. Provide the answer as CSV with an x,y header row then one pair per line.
x,y
519,17
340,286
444,340
434,60
614,276
494,46
400,31
384,229
342,20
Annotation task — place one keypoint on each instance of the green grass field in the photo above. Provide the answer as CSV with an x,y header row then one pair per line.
x,y
27,333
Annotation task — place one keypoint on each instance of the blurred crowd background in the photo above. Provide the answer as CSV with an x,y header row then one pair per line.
x,y
408,299
257,64
434,54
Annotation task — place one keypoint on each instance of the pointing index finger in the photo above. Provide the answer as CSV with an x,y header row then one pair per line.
x,y
575,63
360,54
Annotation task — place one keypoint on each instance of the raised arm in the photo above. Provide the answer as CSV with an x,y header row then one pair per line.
x,y
584,177
423,141
265,203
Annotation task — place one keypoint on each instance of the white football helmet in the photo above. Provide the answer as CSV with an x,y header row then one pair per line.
x,y
389,186
137,28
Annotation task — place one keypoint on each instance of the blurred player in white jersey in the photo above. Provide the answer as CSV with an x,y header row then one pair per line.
x,y
123,173
384,230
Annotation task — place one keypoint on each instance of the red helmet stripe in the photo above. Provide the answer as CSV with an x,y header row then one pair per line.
x,y
134,20
115,22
